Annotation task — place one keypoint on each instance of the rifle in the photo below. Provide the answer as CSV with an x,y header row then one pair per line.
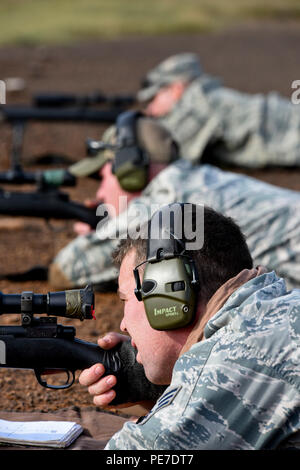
x,y
47,204
68,99
26,113
44,346
51,178
18,116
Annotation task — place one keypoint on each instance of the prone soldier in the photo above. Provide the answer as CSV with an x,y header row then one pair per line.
x,y
268,216
210,120
229,352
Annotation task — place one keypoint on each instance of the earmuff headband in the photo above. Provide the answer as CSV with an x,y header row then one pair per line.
x,y
170,278
131,163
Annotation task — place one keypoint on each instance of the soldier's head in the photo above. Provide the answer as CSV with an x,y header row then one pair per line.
x,y
165,84
167,295
141,148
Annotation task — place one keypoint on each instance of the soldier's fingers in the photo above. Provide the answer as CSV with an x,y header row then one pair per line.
x,y
103,385
104,399
92,203
111,339
81,228
91,375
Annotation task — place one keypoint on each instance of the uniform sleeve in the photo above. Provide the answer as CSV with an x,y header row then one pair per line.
x,y
87,259
221,403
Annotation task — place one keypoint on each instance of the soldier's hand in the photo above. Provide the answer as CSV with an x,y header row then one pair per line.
x,y
101,388
80,227
92,203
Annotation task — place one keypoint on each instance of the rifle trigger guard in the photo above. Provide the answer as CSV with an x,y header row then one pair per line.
x,y
68,384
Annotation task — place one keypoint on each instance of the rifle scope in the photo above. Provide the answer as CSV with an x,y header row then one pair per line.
x,y
67,99
50,178
76,303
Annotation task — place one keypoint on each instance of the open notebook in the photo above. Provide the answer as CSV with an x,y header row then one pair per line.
x,y
39,433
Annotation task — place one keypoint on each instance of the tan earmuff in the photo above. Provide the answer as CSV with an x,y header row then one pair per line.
x,y
130,163
170,281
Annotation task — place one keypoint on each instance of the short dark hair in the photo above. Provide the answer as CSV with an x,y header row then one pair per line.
x,y
224,253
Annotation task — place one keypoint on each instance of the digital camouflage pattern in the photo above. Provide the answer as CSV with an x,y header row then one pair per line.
x,y
184,67
240,129
237,389
268,216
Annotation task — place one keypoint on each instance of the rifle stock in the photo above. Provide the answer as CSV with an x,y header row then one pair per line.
x,y
44,346
46,205
72,354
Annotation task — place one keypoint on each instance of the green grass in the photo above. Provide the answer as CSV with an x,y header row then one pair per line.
x,y
63,21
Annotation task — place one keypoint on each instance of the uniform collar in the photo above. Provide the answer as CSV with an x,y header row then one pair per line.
x,y
217,301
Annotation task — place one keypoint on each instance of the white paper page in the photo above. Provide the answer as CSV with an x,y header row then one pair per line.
x,y
39,431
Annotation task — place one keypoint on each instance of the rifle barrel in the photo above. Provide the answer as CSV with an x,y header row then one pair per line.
x,y
58,100
27,113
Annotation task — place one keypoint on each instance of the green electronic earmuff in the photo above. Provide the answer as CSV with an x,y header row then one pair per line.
x,y
170,281
130,163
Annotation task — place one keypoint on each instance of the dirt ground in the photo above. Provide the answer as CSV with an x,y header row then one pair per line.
x,y
253,58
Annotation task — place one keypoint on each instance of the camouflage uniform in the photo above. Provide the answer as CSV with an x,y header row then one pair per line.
x,y
240,129
268,216
239,388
